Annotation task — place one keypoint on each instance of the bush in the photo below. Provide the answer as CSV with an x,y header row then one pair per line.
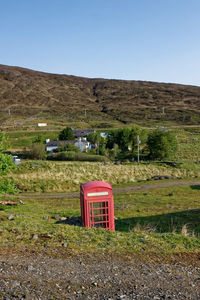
x,y
67,147
7,186
74,156
6,164
37,151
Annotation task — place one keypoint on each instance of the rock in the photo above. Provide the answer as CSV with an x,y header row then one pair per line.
x,y
162,177
30,268
94,283
15,284
34,237
18,237
57,217
10,217
45,236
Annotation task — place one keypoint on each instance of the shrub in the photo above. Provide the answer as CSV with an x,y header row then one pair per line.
x,y
7,186
6,164
37,151
74,156
68,147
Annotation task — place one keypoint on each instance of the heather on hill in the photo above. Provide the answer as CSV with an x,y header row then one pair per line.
x,y
26,93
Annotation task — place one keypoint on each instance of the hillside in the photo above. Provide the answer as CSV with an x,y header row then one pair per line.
x,y
31,94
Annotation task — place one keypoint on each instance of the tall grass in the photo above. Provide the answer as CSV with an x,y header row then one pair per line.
x,y
51,176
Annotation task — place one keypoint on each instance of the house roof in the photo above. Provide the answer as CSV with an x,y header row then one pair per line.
x,y
82,132
58,143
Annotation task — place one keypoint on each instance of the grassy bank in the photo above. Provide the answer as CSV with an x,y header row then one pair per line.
x,y
162,221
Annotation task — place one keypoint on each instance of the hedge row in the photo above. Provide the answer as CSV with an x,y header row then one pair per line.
x,y
74,156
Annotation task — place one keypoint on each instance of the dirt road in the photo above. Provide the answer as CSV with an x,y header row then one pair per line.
x,y
117,190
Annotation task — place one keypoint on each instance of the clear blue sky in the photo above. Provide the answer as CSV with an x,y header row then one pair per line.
x,y
155,40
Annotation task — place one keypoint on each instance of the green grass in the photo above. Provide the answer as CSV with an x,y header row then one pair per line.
x,y
188,144
161,221
19,140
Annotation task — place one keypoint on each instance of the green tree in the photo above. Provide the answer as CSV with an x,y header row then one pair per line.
x,y
162,145
93,137
6,165
112,139
66,134
96,139
121,137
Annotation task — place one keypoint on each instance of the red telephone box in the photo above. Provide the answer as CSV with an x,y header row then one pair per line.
x,y
97,205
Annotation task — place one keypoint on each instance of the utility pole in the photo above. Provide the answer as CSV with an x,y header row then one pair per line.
x,y
9,112
163,110
138,149
85,112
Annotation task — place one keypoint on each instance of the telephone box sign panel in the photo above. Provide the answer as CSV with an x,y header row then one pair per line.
x,y
97,205
97,194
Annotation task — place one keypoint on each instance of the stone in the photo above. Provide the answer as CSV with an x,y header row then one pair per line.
x,y
34,236
57,217
30,268
15,284
94,283
10,217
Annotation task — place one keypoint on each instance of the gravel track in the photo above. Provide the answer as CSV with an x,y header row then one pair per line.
x,y
44,277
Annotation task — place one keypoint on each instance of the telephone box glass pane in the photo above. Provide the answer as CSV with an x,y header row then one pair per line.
x,y
99,214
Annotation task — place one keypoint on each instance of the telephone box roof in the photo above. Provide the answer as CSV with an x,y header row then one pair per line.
x,y
95,184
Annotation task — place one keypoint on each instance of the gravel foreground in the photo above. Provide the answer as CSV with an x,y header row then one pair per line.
x,y
42,276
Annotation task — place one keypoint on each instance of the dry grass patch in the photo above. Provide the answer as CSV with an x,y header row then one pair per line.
x,y
67,176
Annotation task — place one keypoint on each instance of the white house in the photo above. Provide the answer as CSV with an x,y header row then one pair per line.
x,y
83,144
80,143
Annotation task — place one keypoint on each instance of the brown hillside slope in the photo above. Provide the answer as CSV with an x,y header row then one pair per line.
x,y
27,93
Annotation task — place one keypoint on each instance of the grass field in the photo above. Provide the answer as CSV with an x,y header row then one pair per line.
x,y
164,220
48,176
19,140
188,141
